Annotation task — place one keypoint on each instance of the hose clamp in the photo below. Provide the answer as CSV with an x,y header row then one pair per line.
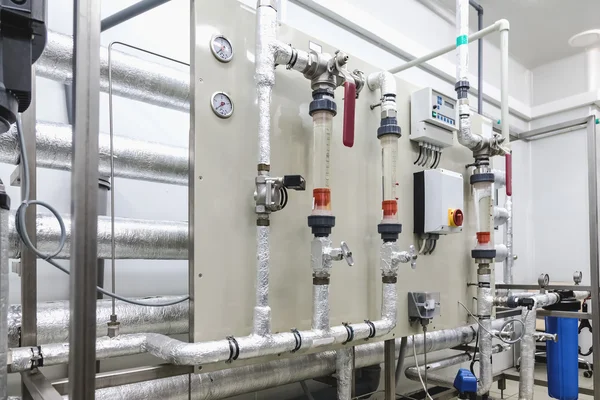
x,y
298,339
234,349
372,330
350,331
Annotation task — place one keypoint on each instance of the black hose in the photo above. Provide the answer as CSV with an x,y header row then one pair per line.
x,y
401,357
420,154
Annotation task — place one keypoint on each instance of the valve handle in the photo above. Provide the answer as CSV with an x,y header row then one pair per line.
x,y
508,174
349,112
412,251
347,254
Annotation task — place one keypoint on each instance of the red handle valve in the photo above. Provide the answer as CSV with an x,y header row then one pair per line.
x,y
349,111
508,174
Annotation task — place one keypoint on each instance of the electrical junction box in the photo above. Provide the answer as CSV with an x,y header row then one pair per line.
x,y
433,117
438,202
423,305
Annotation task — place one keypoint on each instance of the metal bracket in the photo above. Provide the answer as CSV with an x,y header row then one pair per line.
x,y
38,386
15,177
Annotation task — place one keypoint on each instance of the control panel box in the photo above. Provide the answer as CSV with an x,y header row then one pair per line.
x,y
423,306
433,117
438,202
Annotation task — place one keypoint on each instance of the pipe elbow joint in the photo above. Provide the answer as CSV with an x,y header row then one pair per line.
x,y
503,25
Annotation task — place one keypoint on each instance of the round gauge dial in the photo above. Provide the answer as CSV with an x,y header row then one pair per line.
x,y
221,48
222,105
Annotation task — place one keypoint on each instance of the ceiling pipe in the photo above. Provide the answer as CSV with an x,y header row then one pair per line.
x,y
129,13
479,10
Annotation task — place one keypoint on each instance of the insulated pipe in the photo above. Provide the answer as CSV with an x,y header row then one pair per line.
x,y
527,371
509,261
53,319
504,111
134,159
133,78
484,313
344,368
365,355
4,291
135,238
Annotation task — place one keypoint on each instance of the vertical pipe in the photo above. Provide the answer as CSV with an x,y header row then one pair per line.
x,y
484,313
389,360
103,188
344,365
262,310
480,63
84,181
527,373
508,229
504,83
28,257
593,232
321,306
4,290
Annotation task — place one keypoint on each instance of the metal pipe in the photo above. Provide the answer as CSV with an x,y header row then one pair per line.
x,y
84,179
4,290
447,49
344,367
53,319
593,236
231,382
103,188
484,313
527,371
133,78
401,357
389,360
134,159
136,238
129,13
509,261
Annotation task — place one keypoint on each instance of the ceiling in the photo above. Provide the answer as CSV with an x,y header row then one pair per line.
x,y
540,29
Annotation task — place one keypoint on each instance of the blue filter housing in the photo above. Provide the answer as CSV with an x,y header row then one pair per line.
x,y
563,365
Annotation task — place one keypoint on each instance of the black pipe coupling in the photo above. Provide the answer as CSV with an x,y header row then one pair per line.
x,y
462,89
389,232
323,100
321,224
389,126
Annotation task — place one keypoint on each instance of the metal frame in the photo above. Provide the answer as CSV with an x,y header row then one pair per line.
x,y
38,387
537,287
84,200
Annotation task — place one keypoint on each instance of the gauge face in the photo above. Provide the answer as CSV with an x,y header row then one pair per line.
x,y
222,105
221,48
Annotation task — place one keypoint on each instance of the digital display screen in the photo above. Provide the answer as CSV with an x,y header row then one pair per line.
x,y
449,105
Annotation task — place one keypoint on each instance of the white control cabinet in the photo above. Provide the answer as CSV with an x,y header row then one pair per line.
x,y
433,117
438,202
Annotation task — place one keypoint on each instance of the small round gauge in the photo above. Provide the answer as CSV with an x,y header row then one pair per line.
x,y
222,105
221,48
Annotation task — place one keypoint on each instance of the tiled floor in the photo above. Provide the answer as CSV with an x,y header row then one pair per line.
x,y
540,392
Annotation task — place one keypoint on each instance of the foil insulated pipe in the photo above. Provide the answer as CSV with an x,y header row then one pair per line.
x,y
4,292
509,261
53,319
134,159
527,372
484,313
135,238
262,310
344,368
237,381
132,77
320,320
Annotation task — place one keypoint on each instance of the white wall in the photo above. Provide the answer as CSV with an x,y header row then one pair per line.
x,y
559,79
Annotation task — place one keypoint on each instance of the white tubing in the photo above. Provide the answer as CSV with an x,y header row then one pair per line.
x,y
504,110
462,34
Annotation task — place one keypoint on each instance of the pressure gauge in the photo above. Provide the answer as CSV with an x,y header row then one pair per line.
x,y
222,105
221,48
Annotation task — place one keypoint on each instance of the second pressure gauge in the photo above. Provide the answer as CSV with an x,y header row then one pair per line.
x,y
221,48
222,105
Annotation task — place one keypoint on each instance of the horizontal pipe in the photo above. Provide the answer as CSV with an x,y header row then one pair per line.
x,y
53,319
237,381
134,159
496,26
133,78
367,354
130,12
135,238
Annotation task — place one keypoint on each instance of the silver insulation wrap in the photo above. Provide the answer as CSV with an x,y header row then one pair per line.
x,y
53,319
135,238
4,292
508,233
527,375
320,320
344,364
484,312
266,35
464,135
262,310
236,381
133,78
134,159
57,354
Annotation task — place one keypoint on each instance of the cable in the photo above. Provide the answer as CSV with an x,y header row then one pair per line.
x,y
435,159
419,369
306,391
474,360
510,321
420,153
22,228
423,246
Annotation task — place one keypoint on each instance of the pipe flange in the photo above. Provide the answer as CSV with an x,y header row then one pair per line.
x,y
485,177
